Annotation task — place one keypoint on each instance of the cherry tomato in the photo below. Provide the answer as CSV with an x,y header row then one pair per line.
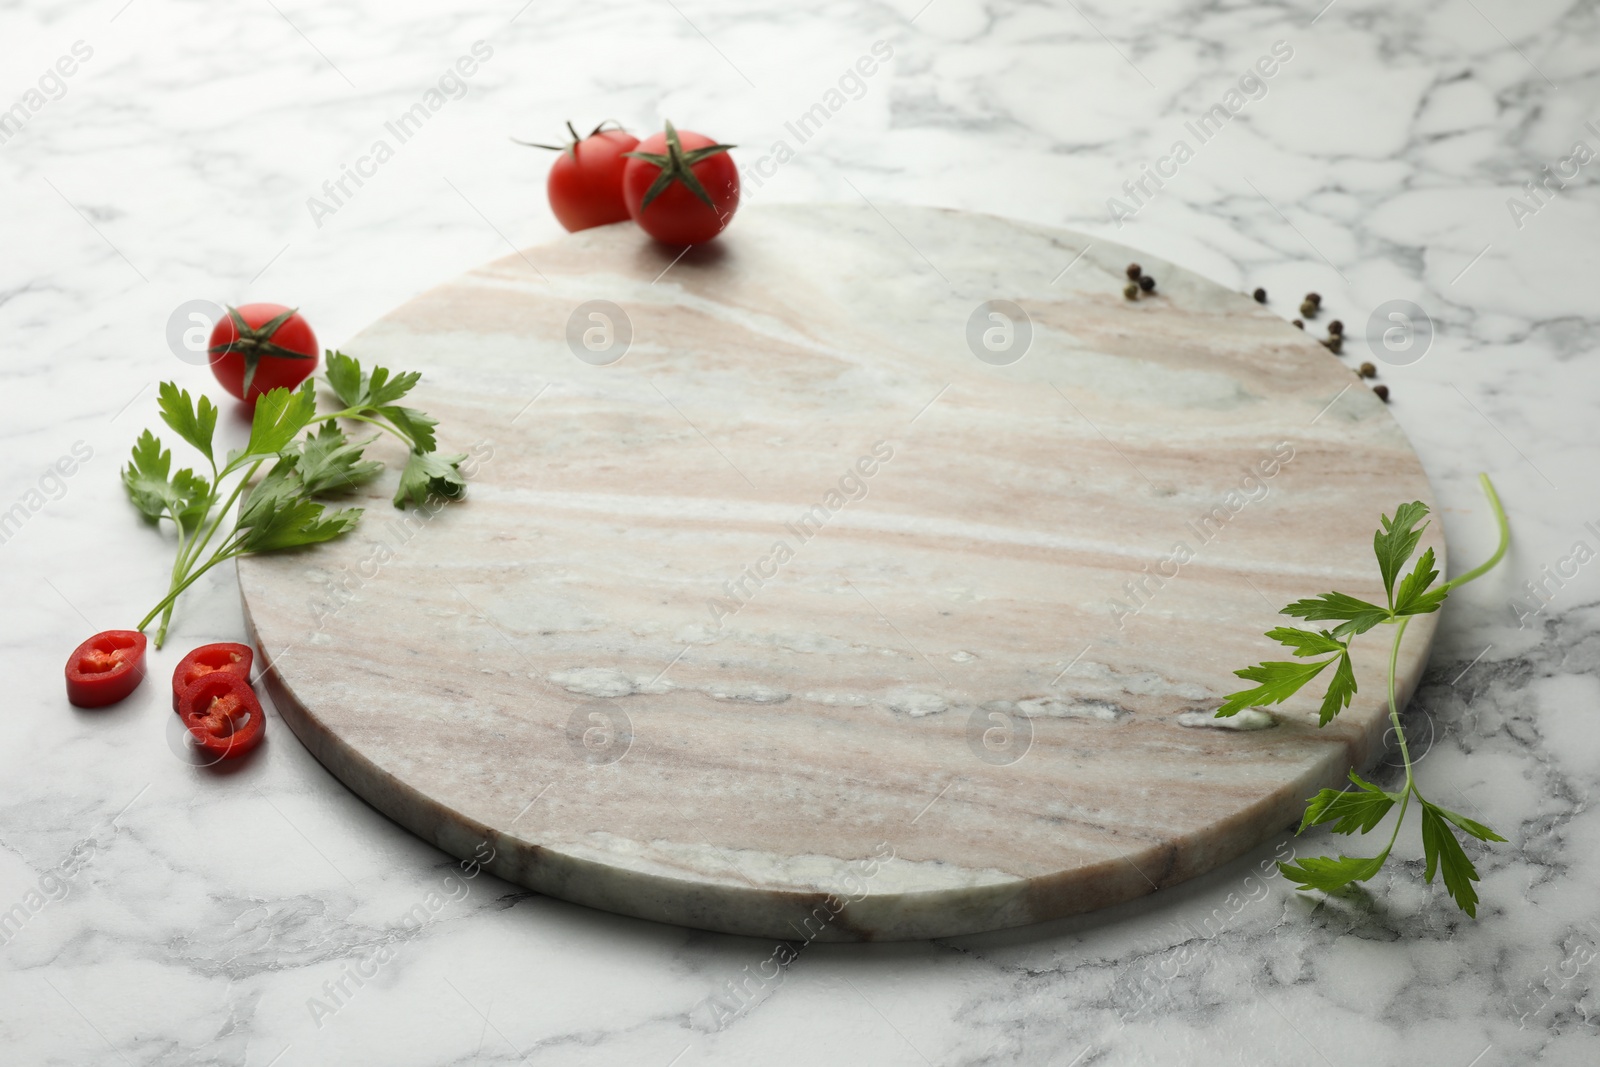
x,y
105,668
585,184
681,188
223,656
261,347
222,712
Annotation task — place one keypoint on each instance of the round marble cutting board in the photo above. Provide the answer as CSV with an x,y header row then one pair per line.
x,y
883,588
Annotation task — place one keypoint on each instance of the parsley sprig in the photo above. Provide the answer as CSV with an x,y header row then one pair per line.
x,y
1366,806
291,505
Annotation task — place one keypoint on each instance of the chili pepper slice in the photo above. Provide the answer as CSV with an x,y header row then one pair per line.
x,y
106,668
207,659
222,712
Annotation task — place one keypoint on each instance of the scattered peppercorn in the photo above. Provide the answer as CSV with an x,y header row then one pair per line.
x,y
1334,344
1308,308
1368,370
1147,283
1381,392
1299,325
1134,271
1336,327
1131,290
1315,298
1260,295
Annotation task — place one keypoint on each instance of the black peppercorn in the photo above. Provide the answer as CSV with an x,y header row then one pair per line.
x,y
1299,325
1315,299
1131,290
1334,344
1260,295
1381,392
1308,308
1147,283
1368,370
1134,272
1336,327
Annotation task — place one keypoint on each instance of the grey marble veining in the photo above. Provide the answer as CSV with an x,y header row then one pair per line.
x,y
229,918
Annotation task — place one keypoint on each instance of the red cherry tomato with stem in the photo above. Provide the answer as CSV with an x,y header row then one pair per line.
x,y
222,712
207,659
585,183
106,668
261,347
682,187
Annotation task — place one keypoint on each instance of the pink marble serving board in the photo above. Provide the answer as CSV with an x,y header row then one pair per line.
x,y
800,619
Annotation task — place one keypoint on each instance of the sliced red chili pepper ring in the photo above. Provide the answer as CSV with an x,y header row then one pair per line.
x,y
207,659
106,668
222,712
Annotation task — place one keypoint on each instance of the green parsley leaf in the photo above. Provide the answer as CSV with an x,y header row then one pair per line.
x,y
191,500
1325,873
382,390
1304,642
157,493
1397,539
277,513
1476,829
196,425
277,489
1358,616
1279,681
414,424
1340,690
1359,810
146,478
1414,596
344,377
1442,851
295,523
363,391
329,461
279,418
430,474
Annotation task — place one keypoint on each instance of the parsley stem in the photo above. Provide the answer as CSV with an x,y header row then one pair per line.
x,y
223,513
183,571
355,414
1505,537
173,595
1394,704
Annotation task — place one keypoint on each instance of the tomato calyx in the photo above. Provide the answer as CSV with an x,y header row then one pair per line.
x,y
678,166
571,147
253,342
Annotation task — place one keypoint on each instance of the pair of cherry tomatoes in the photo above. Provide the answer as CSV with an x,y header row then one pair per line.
x,y
681,187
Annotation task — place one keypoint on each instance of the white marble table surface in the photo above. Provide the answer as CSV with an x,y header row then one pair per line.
x,y
257,917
